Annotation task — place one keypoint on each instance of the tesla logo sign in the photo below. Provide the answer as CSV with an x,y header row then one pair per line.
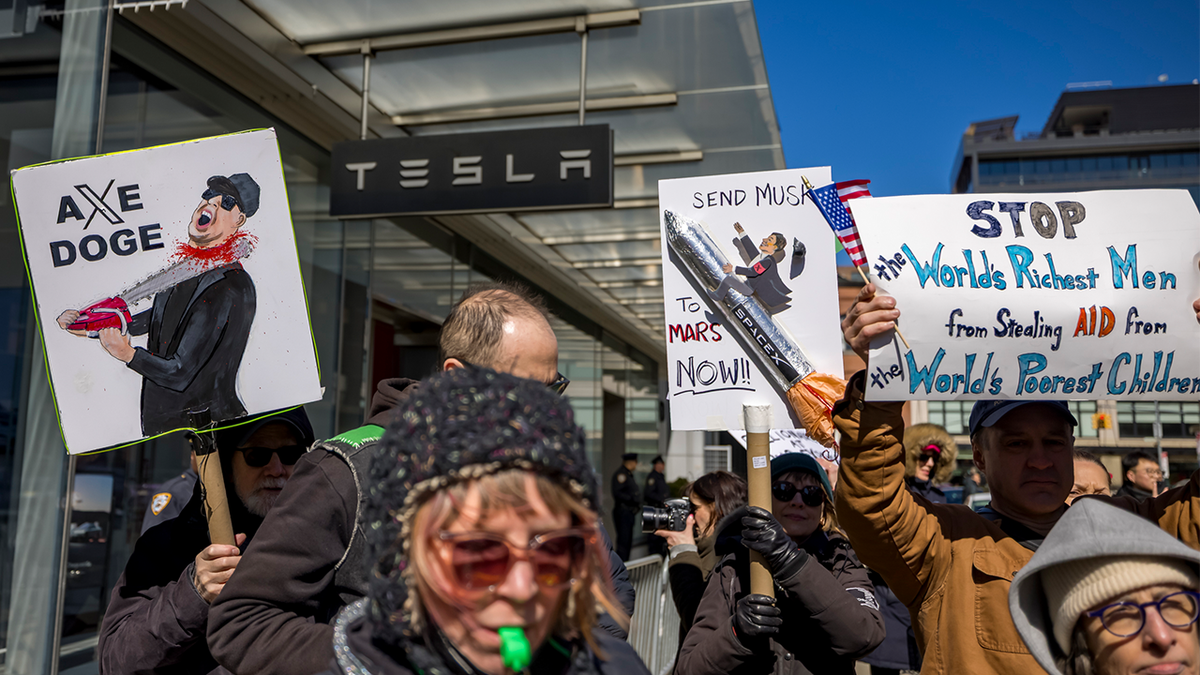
x,y
523,170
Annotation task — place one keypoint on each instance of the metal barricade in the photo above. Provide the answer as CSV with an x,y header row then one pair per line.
x,y
654,627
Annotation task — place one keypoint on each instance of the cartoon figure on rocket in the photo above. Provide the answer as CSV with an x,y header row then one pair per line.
x,y
762,273
200,320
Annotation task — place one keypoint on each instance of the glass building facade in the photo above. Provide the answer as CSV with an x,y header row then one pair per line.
x,y
377,293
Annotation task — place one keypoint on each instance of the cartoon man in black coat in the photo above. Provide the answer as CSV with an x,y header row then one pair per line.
x,y
762,275
197,328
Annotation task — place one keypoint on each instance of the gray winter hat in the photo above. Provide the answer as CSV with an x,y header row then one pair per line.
x,y
1090,528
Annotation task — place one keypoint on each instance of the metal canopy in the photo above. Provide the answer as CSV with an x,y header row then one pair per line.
x,y
682,83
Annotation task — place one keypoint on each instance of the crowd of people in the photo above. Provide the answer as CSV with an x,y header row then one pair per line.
x,y
458,532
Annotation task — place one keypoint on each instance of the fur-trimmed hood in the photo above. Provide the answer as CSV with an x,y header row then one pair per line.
x,y
917,437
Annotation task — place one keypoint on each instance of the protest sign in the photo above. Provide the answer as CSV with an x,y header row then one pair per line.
x,y
166,280
1085,295
784,441
774,247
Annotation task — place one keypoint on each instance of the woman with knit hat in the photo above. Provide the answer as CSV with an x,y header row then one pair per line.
x,y
480,515
1109,593
824,614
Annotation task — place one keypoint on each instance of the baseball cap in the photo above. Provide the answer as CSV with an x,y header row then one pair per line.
x,y
987,413
801,461
295,419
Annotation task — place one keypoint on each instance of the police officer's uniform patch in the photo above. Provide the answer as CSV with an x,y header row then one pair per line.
x,y
649,481
620,478
159,502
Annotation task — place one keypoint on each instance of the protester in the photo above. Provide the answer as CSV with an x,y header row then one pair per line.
x,y
1141,474
158,612
656,493
692,552
952,567
1091,477
481,515
973,484
930,456
627,503
824,615
274,618
1108,592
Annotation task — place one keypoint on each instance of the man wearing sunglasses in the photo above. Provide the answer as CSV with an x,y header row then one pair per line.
x,y
157,617
311,560
198,326
950,566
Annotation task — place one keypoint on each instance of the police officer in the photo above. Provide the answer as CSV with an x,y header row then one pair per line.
x,y
655,494
626,503
171,497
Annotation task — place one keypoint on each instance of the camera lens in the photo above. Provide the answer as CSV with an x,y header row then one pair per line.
x,y
654,519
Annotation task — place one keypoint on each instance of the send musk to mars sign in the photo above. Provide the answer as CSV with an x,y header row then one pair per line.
x,y
522,170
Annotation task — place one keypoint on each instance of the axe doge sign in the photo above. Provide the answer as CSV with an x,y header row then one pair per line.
x,y
166,281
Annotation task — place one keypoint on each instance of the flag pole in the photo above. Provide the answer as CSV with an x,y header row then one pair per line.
x,y
866,280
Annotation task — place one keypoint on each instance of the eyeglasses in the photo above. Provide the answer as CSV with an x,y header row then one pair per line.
x,y
926,457
481,561
260,457
784,491
227,202
1124,619
560,384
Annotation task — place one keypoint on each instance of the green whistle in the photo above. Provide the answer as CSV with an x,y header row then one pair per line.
x,y
514,648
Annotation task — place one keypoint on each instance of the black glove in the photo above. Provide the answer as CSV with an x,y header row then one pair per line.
x,y
762,533
756,616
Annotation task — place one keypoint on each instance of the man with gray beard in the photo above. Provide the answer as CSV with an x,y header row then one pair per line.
x,y
157,615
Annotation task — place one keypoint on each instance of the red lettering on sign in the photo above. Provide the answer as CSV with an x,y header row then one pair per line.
x,y
700,332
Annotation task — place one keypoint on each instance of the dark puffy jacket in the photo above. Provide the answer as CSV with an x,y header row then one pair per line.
x,y
273,618
359,654
830,615
156,619
899,650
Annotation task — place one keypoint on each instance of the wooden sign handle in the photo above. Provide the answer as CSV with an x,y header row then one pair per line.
x,y
758,478
216,500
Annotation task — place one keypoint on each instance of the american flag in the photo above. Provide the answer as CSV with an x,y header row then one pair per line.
x,y
831,200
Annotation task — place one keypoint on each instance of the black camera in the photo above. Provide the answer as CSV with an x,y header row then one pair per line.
x,y
673,516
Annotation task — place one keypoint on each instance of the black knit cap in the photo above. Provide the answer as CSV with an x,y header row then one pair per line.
x,y
460,425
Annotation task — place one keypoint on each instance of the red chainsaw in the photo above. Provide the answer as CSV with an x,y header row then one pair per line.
x,y
114,312
108,313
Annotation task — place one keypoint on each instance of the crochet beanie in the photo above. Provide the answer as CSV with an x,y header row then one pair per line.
x,y
460,425
1076,586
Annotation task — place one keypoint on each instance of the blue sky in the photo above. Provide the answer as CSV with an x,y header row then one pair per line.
x,y
884,90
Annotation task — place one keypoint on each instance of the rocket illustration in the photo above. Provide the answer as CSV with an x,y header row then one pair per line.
x,y
767,343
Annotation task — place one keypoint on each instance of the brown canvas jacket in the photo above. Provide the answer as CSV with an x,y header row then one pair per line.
x,y
951,567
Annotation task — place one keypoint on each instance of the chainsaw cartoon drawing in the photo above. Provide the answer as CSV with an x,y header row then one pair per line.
x,y
203,308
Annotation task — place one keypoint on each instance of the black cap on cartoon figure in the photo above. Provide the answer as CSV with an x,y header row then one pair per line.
x,y
241,187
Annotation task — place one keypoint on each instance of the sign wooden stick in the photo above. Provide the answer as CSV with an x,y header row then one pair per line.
x,y
758,477
208,460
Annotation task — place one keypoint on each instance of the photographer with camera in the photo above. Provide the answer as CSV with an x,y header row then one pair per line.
x,y
692,543
824,615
